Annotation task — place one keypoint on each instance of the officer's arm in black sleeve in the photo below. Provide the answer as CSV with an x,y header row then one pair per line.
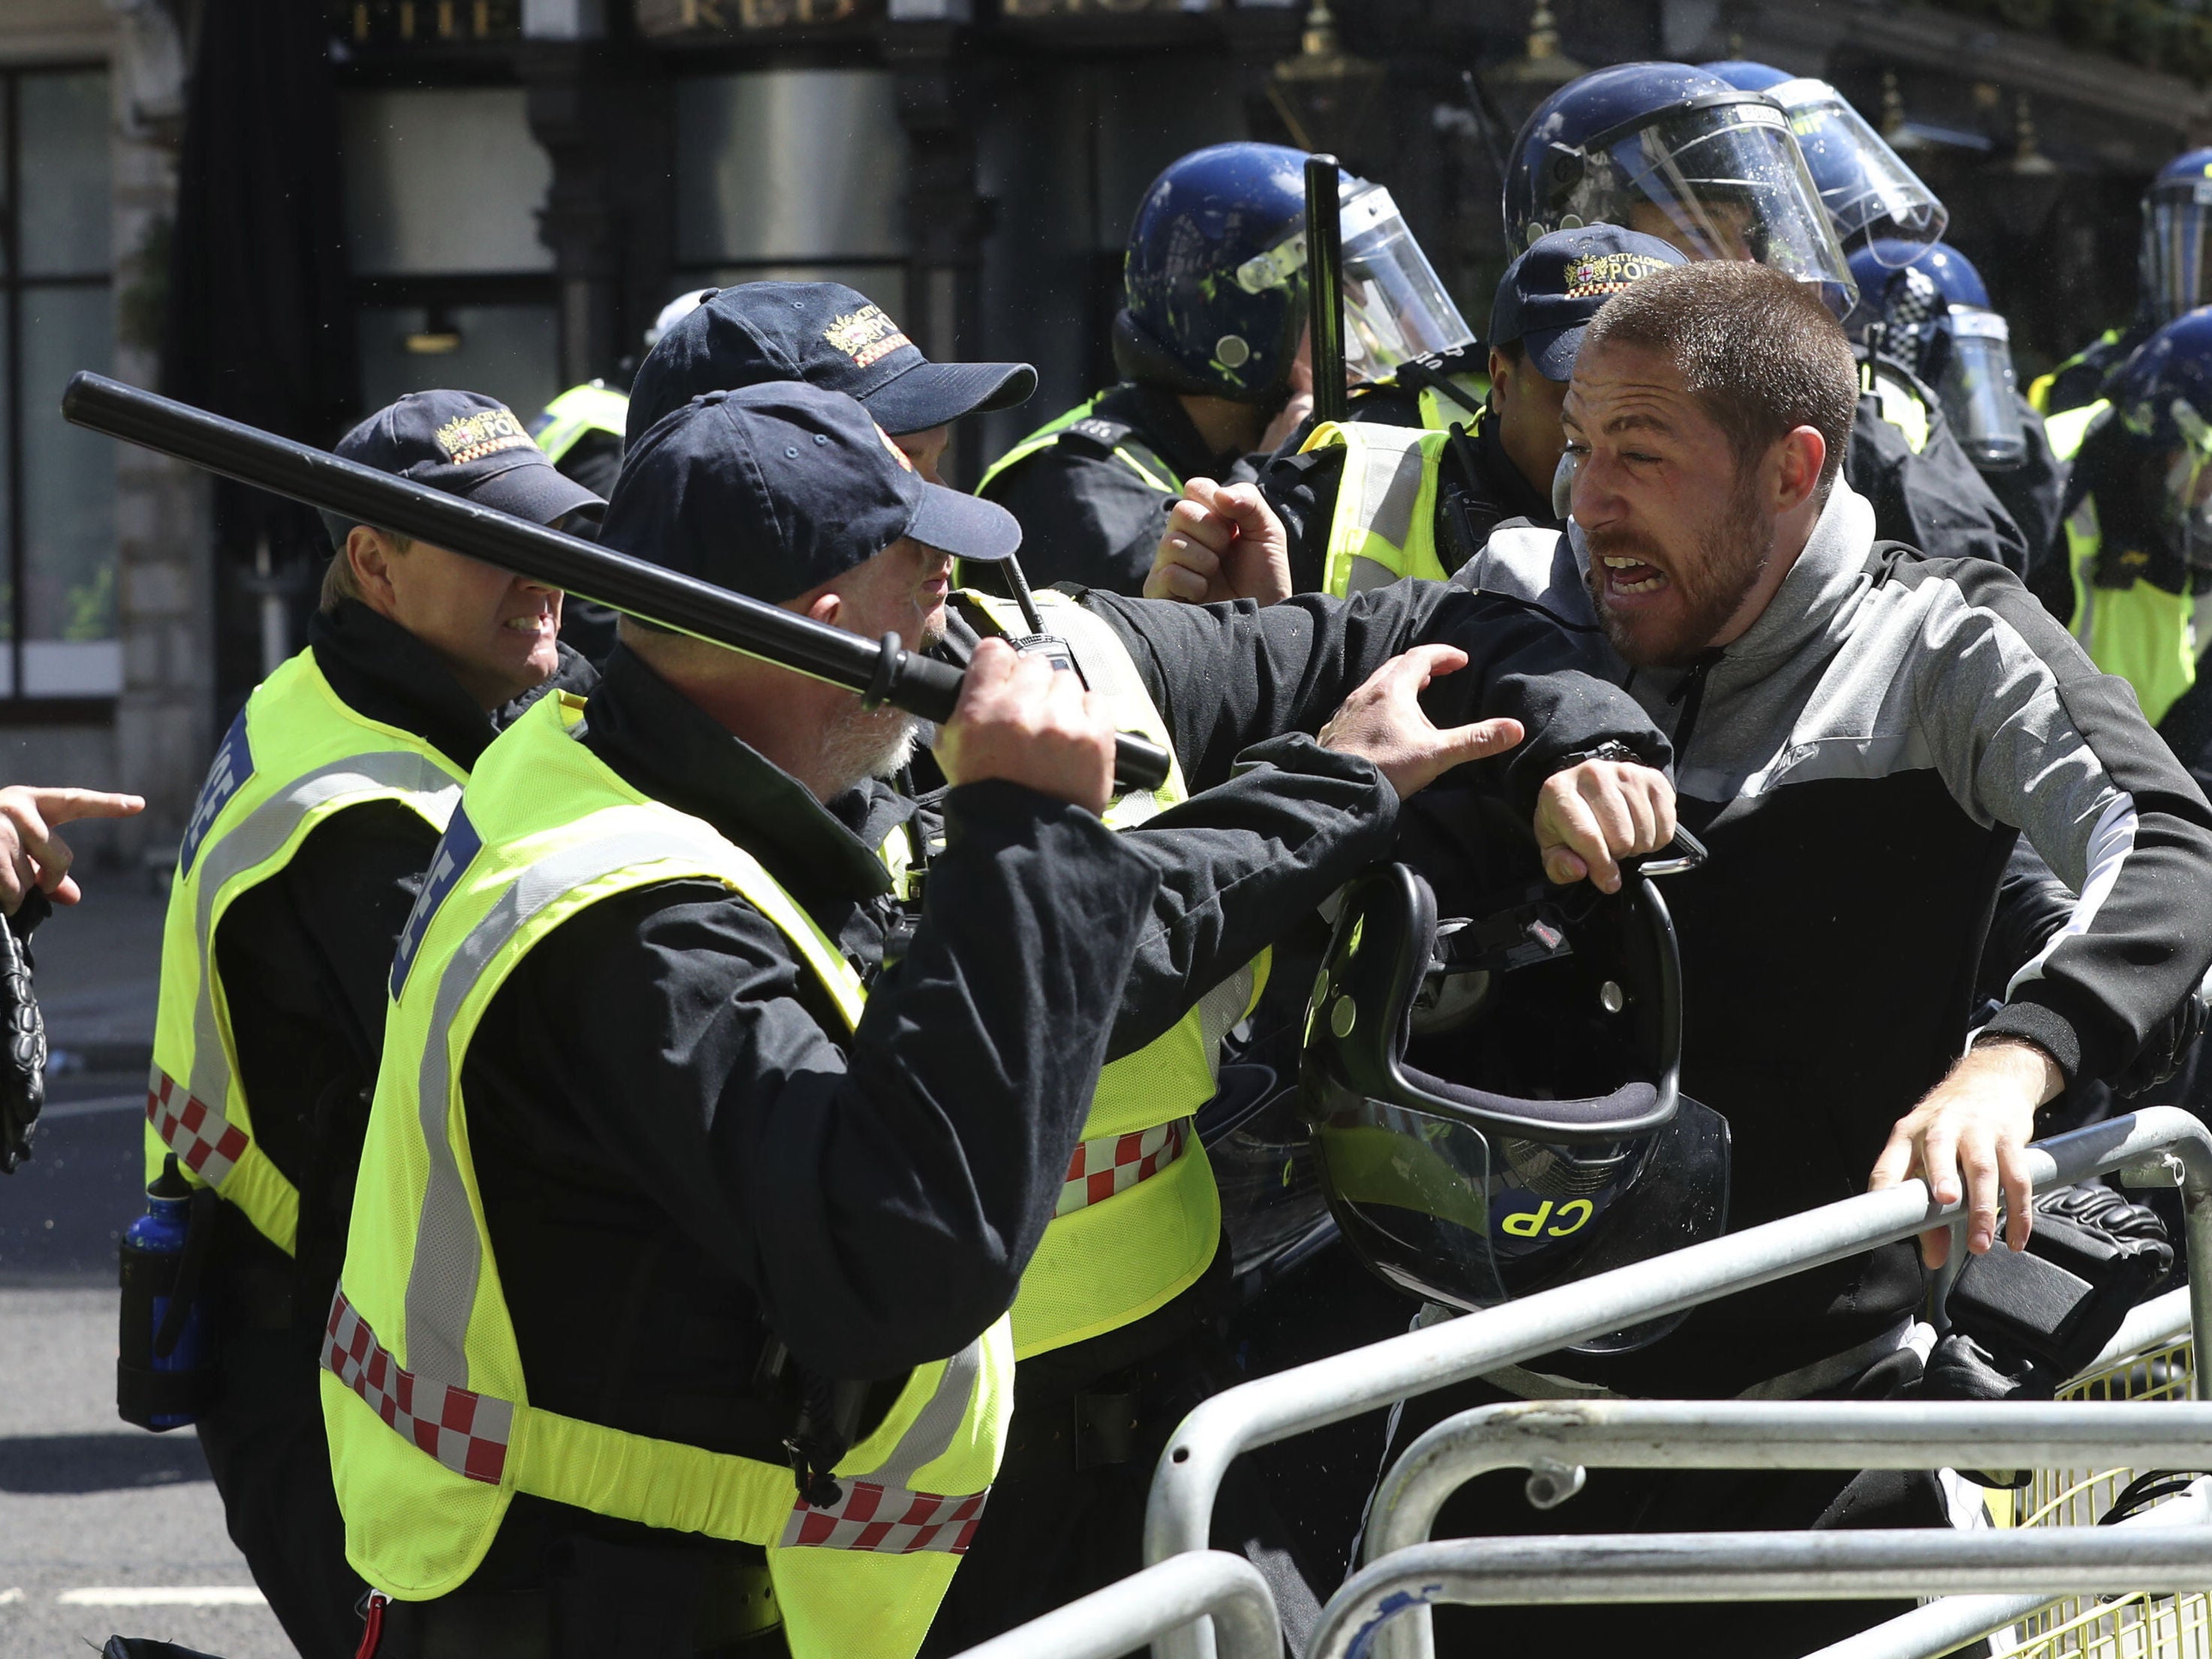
x,y
1227,676
1240,862
881,1195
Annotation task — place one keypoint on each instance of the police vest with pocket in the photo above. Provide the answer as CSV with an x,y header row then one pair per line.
x,y
296,756
431,1427
1138,1218
1383,525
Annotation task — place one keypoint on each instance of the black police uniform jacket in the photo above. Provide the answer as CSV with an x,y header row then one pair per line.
x,y
674,1157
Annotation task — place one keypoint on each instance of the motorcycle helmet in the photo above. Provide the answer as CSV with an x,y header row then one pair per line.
x,y
1680,155
1934,317
1495,1103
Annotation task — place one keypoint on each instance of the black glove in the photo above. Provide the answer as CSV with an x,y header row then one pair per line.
x,y
2051,1308
22,1036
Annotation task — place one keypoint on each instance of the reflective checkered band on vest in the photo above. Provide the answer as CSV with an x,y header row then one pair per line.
x,y
886,1520
205,1141
1115,1163
466,1432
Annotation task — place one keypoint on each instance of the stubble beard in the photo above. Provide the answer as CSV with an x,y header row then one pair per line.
x,y
1731,556
860,743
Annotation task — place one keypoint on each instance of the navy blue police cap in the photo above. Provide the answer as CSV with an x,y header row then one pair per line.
x,y
1548,295
465,444
774,490
823,333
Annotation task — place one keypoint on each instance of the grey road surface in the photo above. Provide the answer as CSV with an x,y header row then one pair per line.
x,y
104,1529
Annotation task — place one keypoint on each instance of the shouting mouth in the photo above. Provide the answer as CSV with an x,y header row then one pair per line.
x,y
1625,578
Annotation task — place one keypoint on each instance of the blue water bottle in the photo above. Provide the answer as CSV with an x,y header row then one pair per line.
x,y
164,1360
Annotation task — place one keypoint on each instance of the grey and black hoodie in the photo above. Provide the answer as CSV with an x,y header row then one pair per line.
x,y
1860,762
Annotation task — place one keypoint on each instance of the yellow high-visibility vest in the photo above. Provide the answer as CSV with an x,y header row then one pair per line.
x,y
1138,1217
1154,473
591,407
296,756
1383,526
432,1431
2140,632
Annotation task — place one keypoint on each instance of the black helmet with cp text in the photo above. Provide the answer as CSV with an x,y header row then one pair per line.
x,y
1495,1103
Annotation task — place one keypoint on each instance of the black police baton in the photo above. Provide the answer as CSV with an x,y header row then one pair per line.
x,y
881,672
1325,287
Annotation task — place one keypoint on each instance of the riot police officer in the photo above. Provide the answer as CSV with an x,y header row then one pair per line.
x,y
2170,279
1682,154
2138,533
1209,342
1925,310
308,844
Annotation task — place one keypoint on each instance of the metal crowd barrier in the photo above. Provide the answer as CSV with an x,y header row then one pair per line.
x,y
2151,1359
2162,1146
1124,1616
1736,1566
1557,1440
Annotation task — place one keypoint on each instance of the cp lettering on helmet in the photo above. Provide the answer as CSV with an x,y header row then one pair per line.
x,y
1572,1217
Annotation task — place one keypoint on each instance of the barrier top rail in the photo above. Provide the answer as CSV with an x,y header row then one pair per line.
x,y
1124,1616
1555,1439
1726,1566
2164,1142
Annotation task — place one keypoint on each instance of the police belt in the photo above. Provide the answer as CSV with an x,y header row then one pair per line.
x,y
1802,1384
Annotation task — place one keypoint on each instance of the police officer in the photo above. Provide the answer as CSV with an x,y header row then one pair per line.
x,y
1208,343
2139,534
306,847
1680,155
1925,310
934,1140
2171,280
1428,496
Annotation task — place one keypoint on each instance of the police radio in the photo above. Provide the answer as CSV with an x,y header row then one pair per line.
x,y
1039,641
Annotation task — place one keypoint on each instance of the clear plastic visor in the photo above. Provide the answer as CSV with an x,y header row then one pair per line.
x,y
2175,221
1868,191
1979,391
1725,182
1395,307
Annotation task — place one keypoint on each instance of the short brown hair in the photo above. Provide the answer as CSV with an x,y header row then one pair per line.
x,y
338,575
1757,349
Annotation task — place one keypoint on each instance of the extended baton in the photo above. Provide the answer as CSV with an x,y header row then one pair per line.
x,y
881,671
1325,287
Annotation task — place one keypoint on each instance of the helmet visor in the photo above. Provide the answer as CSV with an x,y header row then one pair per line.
x,y
1723,182
2175,221
1395,307
1868,191
2186,504
1978,391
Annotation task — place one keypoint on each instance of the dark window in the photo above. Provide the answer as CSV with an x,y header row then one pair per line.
x,y
56,315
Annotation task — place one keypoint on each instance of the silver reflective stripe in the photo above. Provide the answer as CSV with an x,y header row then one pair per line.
x,y
929,1436
1219,1011
1390,482
2084,523
1366,573
441,1284
260,835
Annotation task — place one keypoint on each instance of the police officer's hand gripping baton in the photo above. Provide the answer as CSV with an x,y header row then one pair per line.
x,y
881,672
1325,286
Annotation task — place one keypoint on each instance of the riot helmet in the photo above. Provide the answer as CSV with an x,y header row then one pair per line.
x,y
1495,1103
1933,315
2176,210
1871,196
2159,426
1216,279
1680,155
675,312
